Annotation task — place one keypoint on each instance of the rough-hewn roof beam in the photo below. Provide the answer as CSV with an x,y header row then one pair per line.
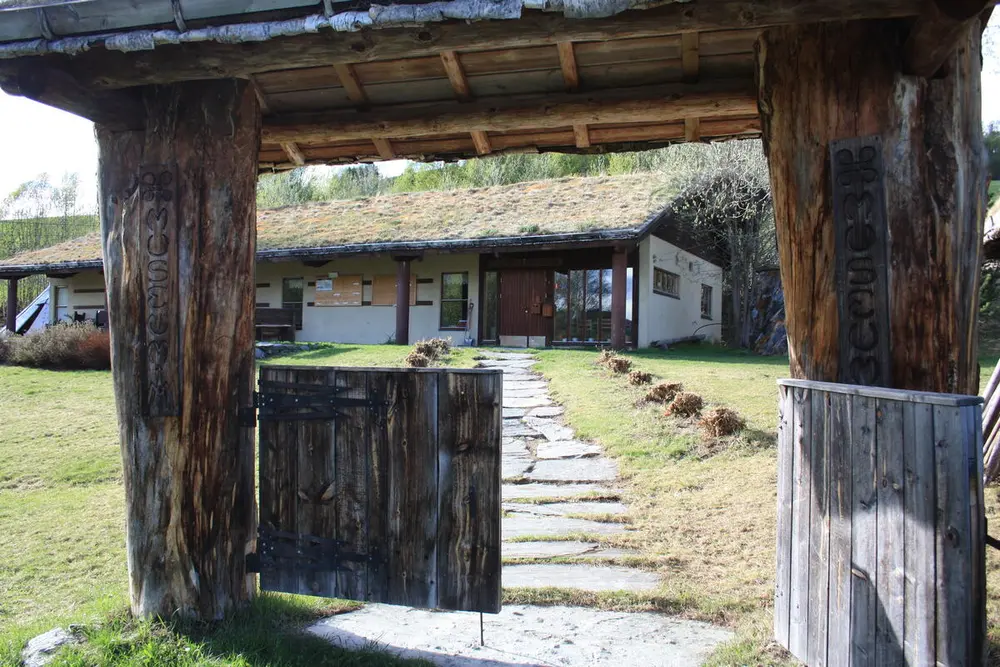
x,y
937,32
651,104
100,67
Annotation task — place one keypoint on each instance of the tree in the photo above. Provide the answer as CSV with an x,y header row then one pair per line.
x,y
725,198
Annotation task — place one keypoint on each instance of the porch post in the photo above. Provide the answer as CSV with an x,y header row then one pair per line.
x,y
901,308
619,273
178,219
11,319
403,300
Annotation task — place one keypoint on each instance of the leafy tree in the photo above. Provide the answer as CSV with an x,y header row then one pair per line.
x,y
286,189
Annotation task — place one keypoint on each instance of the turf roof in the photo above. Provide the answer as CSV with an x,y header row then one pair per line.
x,y
533,209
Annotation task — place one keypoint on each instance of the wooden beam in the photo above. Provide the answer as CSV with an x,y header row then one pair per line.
x,y
384,148
11,313
262,101
937,33
673,102
118,110
456,75
482,142
567,61
351,83
103,68
689,55
582,135
293,152
692,129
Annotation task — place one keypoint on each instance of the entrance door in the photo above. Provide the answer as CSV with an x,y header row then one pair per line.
x,y
381,485
526,303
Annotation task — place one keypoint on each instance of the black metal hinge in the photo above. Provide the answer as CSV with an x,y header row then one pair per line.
x,y
307,402
248,413
282,550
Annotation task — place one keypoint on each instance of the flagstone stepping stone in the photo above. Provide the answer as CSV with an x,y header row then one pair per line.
x,y
567,449
515,446
515,467
565,509
521,525
508,363
513,413
574,470
515,427
509,491
519,356
519,385
551,411
593,578
533,402
561,549
550,429
525,393
523,636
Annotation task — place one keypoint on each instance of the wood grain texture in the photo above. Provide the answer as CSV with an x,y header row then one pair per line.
x,y
890,585
819,530
798,606
469,492
567,63
864,556
931,133
840,452
189,485
783,548
918,534
938,32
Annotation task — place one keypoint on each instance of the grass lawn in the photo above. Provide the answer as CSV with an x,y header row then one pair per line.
x,y
704,512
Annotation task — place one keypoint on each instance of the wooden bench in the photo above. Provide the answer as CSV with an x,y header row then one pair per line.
x,y
275,323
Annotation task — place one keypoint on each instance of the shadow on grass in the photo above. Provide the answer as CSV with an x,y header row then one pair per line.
x,y
711,353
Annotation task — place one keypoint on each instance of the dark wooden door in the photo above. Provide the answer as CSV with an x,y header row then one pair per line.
x,y
381,485
526,303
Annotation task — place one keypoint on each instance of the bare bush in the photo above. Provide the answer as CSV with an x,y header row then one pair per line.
x,y
417,360
638,378
685,404
433,348
721,422
664,392
63,346
442,345
619,365
604,357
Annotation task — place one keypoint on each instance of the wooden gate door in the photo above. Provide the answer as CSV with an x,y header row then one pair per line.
x,y
381,485
524,294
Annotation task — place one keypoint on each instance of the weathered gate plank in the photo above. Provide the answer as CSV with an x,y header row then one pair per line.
x,y
918,538
383,387
782,586
351,482
412,516
468,460
801,504
841,500
863,547
890,584
819,530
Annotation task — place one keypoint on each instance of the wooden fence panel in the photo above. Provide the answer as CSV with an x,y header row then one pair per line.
x,y
381,485
880,549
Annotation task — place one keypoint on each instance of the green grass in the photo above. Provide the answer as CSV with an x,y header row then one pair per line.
x,y
371,356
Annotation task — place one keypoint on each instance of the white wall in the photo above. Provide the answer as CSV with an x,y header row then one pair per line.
x,y
371,324
83,292
664,317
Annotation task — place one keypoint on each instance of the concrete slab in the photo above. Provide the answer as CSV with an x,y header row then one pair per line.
x,y
509,491
522,636
536,402
551,411
567,449
561,550
565,509
574,470
524,525
551,429
594,578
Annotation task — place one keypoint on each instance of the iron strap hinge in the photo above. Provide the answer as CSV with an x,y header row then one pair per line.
x,y
282,550
248,413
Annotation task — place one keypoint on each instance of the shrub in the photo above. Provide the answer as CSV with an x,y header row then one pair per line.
x,y
433,348
639,378
721,422
7,348
417,360
425,348
442,345
685,404
604,357
664,392
67,346
619,365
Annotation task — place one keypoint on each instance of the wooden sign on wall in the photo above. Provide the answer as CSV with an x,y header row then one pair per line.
x,y
344,290
158,230
861,229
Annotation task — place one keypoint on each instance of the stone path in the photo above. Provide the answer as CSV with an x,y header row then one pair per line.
x,y
560,500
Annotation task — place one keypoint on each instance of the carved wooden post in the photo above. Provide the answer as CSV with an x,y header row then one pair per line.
x,y
11,318
908,272
619,290
178,216
402,300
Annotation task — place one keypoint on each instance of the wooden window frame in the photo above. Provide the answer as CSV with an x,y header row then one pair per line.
x,y
465,276
677,278
706,289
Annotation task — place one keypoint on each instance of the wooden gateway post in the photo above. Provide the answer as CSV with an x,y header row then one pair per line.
x,y
178,214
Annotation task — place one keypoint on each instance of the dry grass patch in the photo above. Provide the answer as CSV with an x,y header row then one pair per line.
x,y
638,378
722,422
619,365
685,404
664,392
417,360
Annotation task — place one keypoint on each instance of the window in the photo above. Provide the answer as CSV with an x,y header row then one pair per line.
x,y
583,305
706,301
291,298
666,283
454,300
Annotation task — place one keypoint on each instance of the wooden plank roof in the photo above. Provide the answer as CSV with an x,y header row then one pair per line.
x,y
532,215
344,83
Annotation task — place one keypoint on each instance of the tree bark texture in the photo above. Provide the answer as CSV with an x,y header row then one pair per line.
x,y
188,463
820,83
